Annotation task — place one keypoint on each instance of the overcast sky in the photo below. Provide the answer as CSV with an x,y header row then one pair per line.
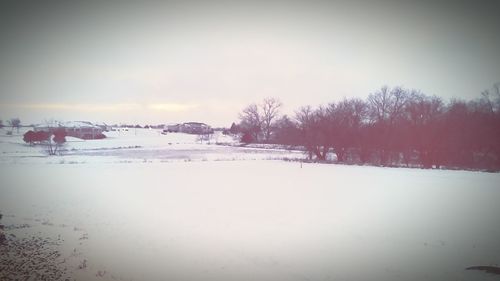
x,y
155,62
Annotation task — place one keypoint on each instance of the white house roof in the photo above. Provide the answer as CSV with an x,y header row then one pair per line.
x,y
78,124
195,124
69,124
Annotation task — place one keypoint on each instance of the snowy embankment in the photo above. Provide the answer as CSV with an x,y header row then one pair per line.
x,y
236,220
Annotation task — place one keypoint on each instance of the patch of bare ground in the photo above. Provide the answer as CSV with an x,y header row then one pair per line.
x,y
486,268
31,258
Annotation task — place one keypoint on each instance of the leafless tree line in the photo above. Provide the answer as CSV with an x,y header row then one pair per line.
x,y
13,123
393,126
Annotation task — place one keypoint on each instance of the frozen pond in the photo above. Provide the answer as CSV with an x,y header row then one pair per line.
x,y
257,220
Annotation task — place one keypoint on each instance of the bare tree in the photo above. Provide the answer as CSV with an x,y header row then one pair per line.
x,y
379,104
387,105
386,108
270,112
56,137
422,134
491,98
259,120
251,120
304,117
315,128
346,119
286,131
15,123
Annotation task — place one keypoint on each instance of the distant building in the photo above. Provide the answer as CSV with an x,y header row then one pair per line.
x,y
105,127
195,128
78,129
172,128
189,128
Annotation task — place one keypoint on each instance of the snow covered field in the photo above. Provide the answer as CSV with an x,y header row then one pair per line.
x,y
139,145
160,207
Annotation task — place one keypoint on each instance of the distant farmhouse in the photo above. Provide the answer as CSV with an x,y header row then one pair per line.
x,y
196,128
172,128
78,129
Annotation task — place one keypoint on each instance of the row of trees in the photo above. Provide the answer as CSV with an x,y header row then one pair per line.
x,y
393,126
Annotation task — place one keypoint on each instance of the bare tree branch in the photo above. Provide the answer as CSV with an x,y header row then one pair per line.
x,y
270,112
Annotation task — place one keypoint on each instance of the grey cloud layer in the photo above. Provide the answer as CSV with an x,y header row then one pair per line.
x,y
237,52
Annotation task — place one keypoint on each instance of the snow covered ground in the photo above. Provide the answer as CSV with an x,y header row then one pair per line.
x,y
140,145
182,215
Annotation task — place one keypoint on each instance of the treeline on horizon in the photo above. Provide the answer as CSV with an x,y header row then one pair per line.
x,y
392,127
